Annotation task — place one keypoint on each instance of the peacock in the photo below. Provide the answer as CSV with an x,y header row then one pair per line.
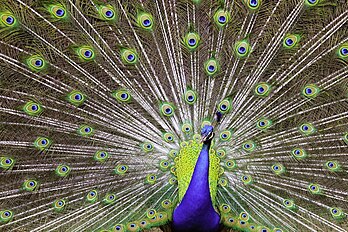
x,y
173,115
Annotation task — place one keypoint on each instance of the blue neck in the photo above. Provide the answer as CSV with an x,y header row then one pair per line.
x,y
196,211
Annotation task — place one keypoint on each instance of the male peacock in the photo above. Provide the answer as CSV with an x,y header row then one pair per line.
x,y
188,115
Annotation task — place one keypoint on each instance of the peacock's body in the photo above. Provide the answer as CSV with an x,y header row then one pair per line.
x,y
188,115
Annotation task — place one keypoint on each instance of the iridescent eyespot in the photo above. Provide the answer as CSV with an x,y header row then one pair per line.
x,y
147,147
221,17
191,40
42,143
299,153
121,169
7,20
36,63
150,179
249,146
6,216
190,97
289,204
145,20
314,188
85,53
173,153
222,182
211,67
342,51
59,205
225,208
118,227
246,179
264,229
278,169
164,165
253,4
230,221
173,181
263,123
101,156
230,164
150,213
262,89
30,185
244,216
85,130
225,135
173,171
166,204
57,11
186,128
167,109
62,170
312,2
345,138
107,13
76,98
6,163
333,166
92,196
221,153
33,109
225,106
307,129
129,56
109,198
122,95
132,227
168,137
242,48
291,41
277,230
310,91
337,213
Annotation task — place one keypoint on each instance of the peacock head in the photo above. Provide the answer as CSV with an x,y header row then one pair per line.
x,y
207,133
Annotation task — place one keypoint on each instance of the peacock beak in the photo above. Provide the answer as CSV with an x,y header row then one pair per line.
x,y
207,137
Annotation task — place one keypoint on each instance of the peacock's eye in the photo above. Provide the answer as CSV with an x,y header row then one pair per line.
x,y
222,19
78,97
344,51
225,106
60,12
289,42
147,23
130,57
192,42
88,53
10,20
109,13
167,109
262,89
242,50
